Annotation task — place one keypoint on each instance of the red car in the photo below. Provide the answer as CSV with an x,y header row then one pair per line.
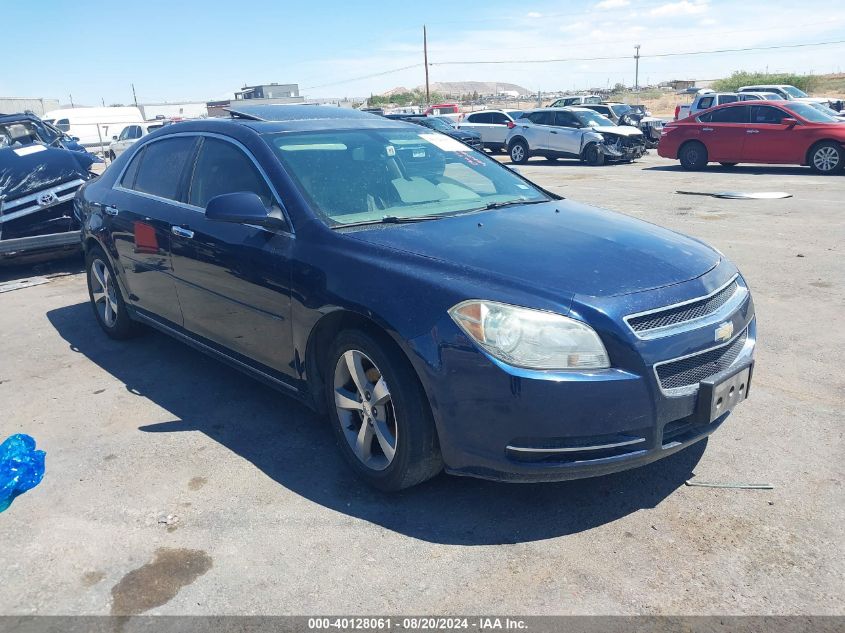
x,y
772,132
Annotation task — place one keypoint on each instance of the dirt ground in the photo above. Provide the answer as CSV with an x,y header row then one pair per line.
x,y
176,485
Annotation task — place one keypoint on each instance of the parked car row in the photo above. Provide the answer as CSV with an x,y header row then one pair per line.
x,y
705,99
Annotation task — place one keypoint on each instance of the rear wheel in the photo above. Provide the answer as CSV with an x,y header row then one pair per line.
x,y
693,156
106,299
592,155
827,158
380,414
519,152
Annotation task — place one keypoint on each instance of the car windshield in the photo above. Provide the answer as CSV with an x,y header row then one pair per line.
x,y
792,91
593,119
621,109
809,113
362,176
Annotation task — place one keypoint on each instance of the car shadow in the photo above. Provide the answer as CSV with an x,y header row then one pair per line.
x,y
745,170
54,265
295,447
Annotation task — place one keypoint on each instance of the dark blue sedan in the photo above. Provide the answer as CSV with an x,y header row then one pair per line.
x,y
443,311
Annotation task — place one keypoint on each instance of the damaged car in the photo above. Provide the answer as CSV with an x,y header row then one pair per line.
x,y
573,133
41,169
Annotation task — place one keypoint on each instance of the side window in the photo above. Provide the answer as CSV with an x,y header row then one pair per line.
x,y
223,168
497,118
766,114
565,119
734,114
128,180
163,166
124,134
705,102
136,131
63,125
728,99
483,117
705,118
541,118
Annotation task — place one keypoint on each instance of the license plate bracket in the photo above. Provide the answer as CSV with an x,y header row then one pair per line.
x,y
721,393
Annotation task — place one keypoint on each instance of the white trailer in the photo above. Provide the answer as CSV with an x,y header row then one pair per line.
x,y
94,127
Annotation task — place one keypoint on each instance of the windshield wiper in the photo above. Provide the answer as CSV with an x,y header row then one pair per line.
x,y
393,219
499,205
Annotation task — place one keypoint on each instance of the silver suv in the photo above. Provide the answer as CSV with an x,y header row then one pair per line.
x,y
573,133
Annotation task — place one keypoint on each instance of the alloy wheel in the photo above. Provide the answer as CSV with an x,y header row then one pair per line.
x,y
517,153
103,292
365,410
826,158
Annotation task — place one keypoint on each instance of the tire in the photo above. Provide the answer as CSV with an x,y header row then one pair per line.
x,y
106,298
391,415
826,158
693,156
592,156
518,152
111,156
729,165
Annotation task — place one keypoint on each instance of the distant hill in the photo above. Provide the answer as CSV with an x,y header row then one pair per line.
x,y
456,88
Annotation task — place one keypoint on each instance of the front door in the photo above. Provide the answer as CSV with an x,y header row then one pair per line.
x,y
567,133
767,140
233,280
140,210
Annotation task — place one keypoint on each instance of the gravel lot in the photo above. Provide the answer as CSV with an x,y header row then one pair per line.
x,y
176,485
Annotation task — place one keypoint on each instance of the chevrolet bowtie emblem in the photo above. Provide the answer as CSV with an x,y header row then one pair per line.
x,y
724,331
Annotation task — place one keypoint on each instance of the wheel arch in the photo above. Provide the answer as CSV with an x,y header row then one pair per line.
x,y
516,138
815,144
326,330
692,140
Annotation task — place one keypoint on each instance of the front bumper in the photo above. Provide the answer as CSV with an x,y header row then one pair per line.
x,y
504,423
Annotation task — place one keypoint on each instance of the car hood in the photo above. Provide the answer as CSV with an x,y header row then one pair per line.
x,y
31,168
559,246
618,130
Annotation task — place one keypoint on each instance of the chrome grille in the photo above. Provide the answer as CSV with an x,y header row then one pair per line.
x,y
683,313
693,369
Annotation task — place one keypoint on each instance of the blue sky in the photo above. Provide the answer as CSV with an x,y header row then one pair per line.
x,y
190,50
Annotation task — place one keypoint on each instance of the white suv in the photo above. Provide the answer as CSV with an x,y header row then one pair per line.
x,y
492,125
573,133
129,135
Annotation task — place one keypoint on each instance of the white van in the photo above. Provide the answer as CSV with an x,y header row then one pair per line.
x,y
94,127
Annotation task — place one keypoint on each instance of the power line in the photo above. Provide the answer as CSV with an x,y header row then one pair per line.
x,y
619,57
351,79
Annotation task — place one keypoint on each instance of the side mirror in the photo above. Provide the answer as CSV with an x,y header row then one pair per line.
x,y
243,207
789,122
114,137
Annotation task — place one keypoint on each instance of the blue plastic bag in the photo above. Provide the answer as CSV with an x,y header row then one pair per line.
x,y
21,467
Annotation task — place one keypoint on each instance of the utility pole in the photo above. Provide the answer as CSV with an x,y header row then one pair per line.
x,y
425,60
71,101
134,97
637,68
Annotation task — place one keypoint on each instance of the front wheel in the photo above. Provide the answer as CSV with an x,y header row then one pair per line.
x,y
381,417
693,156
106,299
827,158
519,152
592,155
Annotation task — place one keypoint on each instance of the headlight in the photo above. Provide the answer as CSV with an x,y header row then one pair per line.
x,y
530,338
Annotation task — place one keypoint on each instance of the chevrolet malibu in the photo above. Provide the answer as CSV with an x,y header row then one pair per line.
x,y
442,311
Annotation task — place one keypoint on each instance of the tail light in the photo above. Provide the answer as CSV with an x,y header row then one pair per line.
x,y
677,111
511,125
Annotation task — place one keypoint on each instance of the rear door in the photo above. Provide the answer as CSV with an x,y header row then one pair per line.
x,y
233,280
477,122
767,140
498,129
536,130
723,132
140,212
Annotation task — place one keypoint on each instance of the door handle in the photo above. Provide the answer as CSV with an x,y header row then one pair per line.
x,y
110,210
707,129
752,131
553,132
181,232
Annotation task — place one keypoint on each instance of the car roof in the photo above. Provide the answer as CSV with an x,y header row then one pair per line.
x,y
20,116
294,112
